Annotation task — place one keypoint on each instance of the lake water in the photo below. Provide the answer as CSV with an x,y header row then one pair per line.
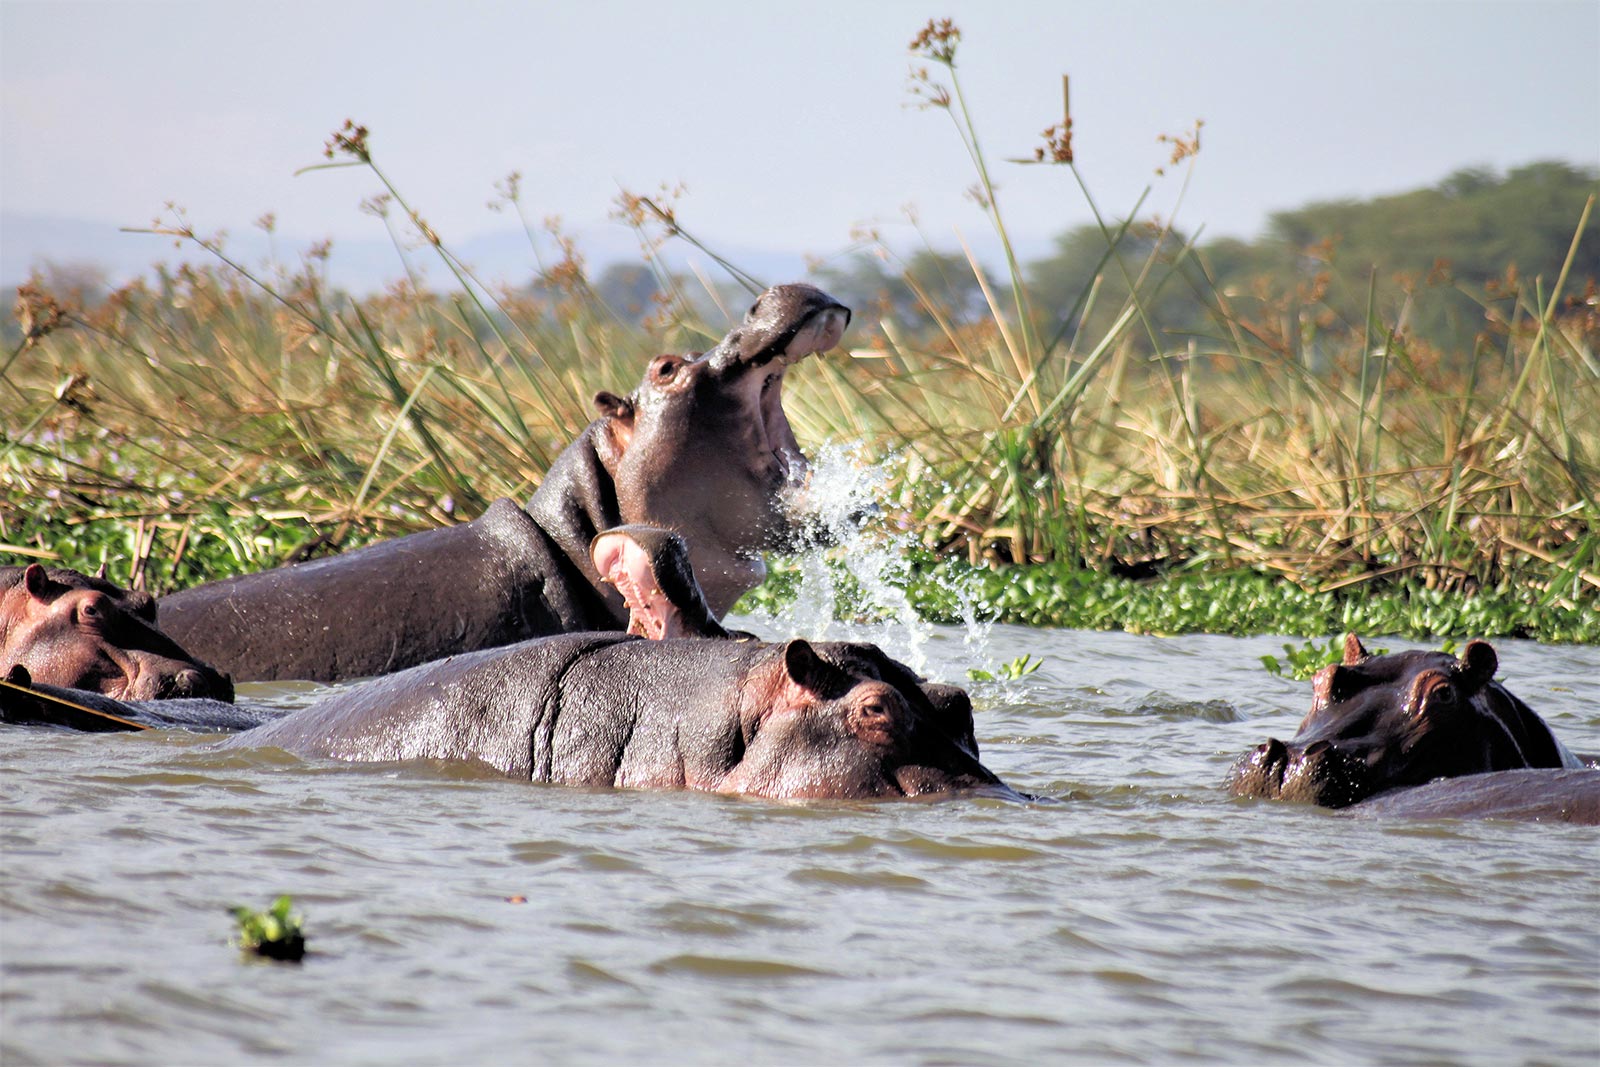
x,y
1147,919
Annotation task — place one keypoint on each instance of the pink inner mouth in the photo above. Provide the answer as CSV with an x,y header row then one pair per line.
x,y
823,332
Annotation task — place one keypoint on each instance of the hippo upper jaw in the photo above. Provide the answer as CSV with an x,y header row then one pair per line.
x,y
787,322
919,781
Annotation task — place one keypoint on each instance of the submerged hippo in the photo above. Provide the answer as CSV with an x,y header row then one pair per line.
x,y
791,720
702,447
65,628
1385,724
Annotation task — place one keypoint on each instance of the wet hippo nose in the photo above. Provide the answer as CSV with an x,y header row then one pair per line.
x,y
192,682
184,683
1273,751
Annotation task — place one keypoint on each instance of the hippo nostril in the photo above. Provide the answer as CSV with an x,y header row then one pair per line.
x,y
1317,748
1273,750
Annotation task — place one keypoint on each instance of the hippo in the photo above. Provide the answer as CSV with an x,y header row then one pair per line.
x,y
66,628
649,566
702,447
787,720
1380,726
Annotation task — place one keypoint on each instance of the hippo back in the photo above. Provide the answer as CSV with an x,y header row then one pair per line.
x,y
394,604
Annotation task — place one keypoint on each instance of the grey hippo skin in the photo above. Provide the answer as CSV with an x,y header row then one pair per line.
x,y
1383,730
65,628
790,720
702,447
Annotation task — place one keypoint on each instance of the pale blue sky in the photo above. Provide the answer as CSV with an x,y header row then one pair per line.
x,y
787,122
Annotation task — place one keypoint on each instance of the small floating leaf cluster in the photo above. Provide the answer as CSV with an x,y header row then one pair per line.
x,y
276,933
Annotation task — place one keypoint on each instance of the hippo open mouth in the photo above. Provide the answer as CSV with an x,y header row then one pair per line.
x,y
779,436
783,327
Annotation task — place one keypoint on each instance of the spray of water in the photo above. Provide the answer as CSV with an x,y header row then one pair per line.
x,y
853,586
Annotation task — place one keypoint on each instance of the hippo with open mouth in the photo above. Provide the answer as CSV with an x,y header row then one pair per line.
x,y
1381,726
702,447
66,628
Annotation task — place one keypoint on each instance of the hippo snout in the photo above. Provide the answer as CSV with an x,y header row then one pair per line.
x,y
1259,772
1319,773
193,682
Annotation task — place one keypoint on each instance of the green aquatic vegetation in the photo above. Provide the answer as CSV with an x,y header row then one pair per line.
x,y
1009,671
1242,602
276,933
1300,662
1069,455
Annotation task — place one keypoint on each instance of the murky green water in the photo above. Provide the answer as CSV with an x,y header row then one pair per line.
x,y
1149,919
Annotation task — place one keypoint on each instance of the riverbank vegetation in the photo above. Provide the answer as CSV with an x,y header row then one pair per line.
x,y
1363,420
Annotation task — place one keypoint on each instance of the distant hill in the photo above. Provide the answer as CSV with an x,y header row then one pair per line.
x,y
83,249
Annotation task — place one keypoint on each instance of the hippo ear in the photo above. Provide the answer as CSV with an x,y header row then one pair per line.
x,y
613,406
1354,651
810,671
1478,663
35,581
617,433
1331,684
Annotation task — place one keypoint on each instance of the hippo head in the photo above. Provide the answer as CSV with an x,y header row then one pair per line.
x,y
845,721
703,445
1382,722
69,629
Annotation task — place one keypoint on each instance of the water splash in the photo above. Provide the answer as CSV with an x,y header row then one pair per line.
x,y
856,590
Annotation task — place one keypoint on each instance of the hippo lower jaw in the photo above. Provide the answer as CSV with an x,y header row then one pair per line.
x,y
917,782
778,436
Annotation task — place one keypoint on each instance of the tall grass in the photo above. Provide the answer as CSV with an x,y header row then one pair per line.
x,y
226,418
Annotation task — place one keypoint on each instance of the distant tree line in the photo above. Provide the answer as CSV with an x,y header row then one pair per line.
x,y
1428,260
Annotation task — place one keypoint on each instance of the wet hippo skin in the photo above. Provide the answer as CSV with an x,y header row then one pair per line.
x,y
787,720
702,447
1382,728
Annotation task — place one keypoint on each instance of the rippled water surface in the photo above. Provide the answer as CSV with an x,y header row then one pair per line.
x,y
1147,919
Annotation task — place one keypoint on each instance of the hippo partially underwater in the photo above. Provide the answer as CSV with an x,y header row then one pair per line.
x,y
701,447
71,629
697,711
788,720
1384,730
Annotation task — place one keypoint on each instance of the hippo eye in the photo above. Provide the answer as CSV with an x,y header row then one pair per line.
x,y
666,369
90,611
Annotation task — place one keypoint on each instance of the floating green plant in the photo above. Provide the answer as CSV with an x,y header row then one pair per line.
x,y
277,933
1009,671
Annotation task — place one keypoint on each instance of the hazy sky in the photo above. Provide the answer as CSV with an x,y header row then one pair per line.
x,y
788,123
